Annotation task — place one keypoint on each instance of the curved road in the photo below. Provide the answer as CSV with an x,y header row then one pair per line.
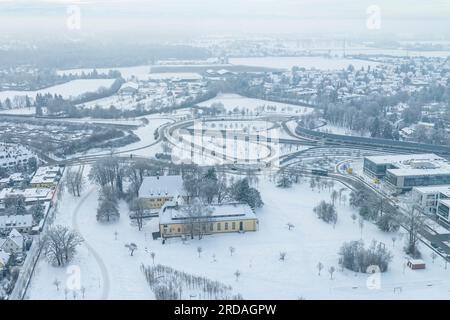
x,y
97,257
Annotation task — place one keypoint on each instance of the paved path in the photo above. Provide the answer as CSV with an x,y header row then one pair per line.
x,y
97,257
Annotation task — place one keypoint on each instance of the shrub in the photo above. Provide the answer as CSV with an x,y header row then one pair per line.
x,y
326,212
357,258
388,223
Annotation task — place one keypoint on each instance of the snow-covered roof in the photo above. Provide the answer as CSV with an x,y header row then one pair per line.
x,y
401,158
4,257
129,85
45,175
413,164
434,189
416,261
17,221
172,213
30,194
155,186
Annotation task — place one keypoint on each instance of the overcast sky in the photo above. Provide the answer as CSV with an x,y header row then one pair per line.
x,y
203,17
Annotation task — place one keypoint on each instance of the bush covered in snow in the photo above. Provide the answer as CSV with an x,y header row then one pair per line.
x,y
326,212
388,223
357,258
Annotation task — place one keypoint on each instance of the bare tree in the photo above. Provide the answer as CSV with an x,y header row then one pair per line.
x,y
137,209
132,247
319,267
331,270
414,222
152,254
60,245
199,250
433,256
56,283
237,274
199,217
334,195
74,181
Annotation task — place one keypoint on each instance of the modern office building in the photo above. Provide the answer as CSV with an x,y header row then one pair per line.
x,y
403,172
443,210
427,198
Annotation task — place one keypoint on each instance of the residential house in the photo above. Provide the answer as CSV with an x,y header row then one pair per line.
x,y
23,223
13,243
157,190
46,177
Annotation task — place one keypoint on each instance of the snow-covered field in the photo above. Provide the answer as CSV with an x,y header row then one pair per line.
x,y
19,111
146,147
287,63
68,90
108,271
126,72
330,128
232,101
174,75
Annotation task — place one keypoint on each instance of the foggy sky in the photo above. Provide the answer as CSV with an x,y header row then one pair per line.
x,y
206,17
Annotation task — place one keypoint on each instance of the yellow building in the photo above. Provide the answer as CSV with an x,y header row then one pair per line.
x,y
46,177
226,218
156,191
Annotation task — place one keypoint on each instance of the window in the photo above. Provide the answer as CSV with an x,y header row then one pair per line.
x,y
226,225
218,226
211,227
179,230
233,225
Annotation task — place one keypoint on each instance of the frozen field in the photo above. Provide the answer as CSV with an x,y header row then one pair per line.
x,y
108,271
233,101
126,72
71,89
287,63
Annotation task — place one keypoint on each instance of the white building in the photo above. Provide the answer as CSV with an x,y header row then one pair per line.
x,y
12,155
31,195
129,88
13,243
403,172
23,223
428,197
444,210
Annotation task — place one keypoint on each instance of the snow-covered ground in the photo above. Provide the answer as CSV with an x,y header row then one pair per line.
x,y
19,111
232,101
146,147
126,72
71,89
108,271
330,128
174,75
287,63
